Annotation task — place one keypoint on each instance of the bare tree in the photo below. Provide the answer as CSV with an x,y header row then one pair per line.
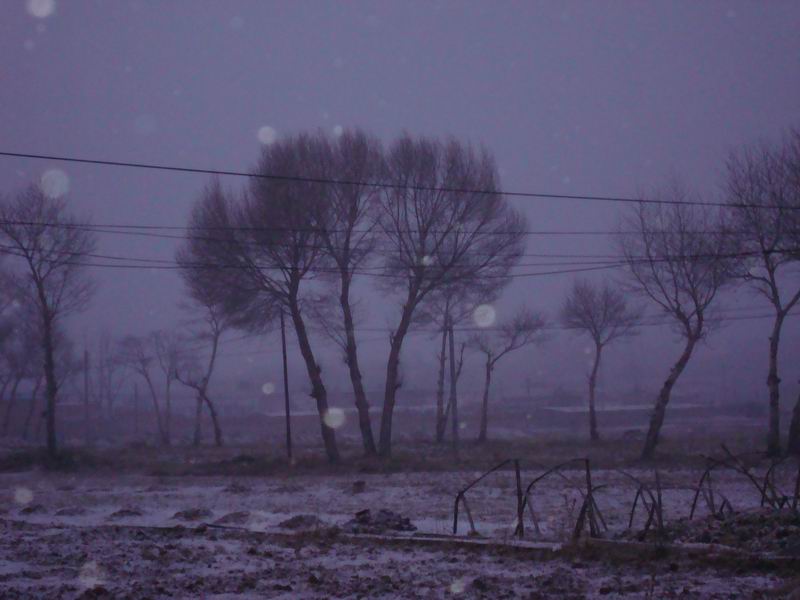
x,y
68,365
265,246
109,375
167,350
450,306
443,222
678,256
49,245
759,177
21,356
347,232
602,313
8,301
791,162
139,356
190,372
522,329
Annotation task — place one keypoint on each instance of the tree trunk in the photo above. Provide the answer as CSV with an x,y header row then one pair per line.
x,y
441,417
12,400
214,421
362,406
3,389
318,391
657,417
51,384
593,433
482,436
793,446
773,383
157,409
198,418
168,414
392,374
453,386
32,409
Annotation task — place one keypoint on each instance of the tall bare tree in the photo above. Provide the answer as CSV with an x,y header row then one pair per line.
x,y
791,161
525,327
348,234
443,221
260,250
603,314
760,177
678,257
50,247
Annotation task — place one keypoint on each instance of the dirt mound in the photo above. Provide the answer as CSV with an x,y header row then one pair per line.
x,y
302,522
383,521
234,518
125,513
193,514
71,511
236,488
757,531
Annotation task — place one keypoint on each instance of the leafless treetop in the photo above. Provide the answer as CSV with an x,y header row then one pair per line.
x,y
679,257
601,311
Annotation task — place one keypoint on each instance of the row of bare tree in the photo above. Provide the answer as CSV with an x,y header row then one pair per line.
x,y
680,255
435,223
426,219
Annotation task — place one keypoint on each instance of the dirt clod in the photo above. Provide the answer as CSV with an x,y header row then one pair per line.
x,y
382,521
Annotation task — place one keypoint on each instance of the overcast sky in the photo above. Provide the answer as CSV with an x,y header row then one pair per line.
x,y
603,98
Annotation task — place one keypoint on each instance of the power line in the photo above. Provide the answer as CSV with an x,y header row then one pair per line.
x,y
177,267
146,230
374,184
611,261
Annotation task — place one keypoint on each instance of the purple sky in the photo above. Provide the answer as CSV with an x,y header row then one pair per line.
x,y
573,97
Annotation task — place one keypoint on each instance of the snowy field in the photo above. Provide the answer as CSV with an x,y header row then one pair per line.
x,y
83,536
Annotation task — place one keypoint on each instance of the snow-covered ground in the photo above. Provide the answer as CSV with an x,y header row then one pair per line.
x,y
62,535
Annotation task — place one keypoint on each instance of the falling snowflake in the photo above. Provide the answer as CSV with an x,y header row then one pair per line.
x,y
267,135
334,418
268,389
484,315
338,130
458,586
91,575
23,495
54,183
41,9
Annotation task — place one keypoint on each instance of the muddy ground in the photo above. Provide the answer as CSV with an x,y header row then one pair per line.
x,y
82,535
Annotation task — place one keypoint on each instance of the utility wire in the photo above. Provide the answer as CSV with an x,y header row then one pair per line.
x,y
146,230
374,184
176,267
165,264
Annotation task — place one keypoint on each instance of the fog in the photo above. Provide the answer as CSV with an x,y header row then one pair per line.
x,y
572,98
